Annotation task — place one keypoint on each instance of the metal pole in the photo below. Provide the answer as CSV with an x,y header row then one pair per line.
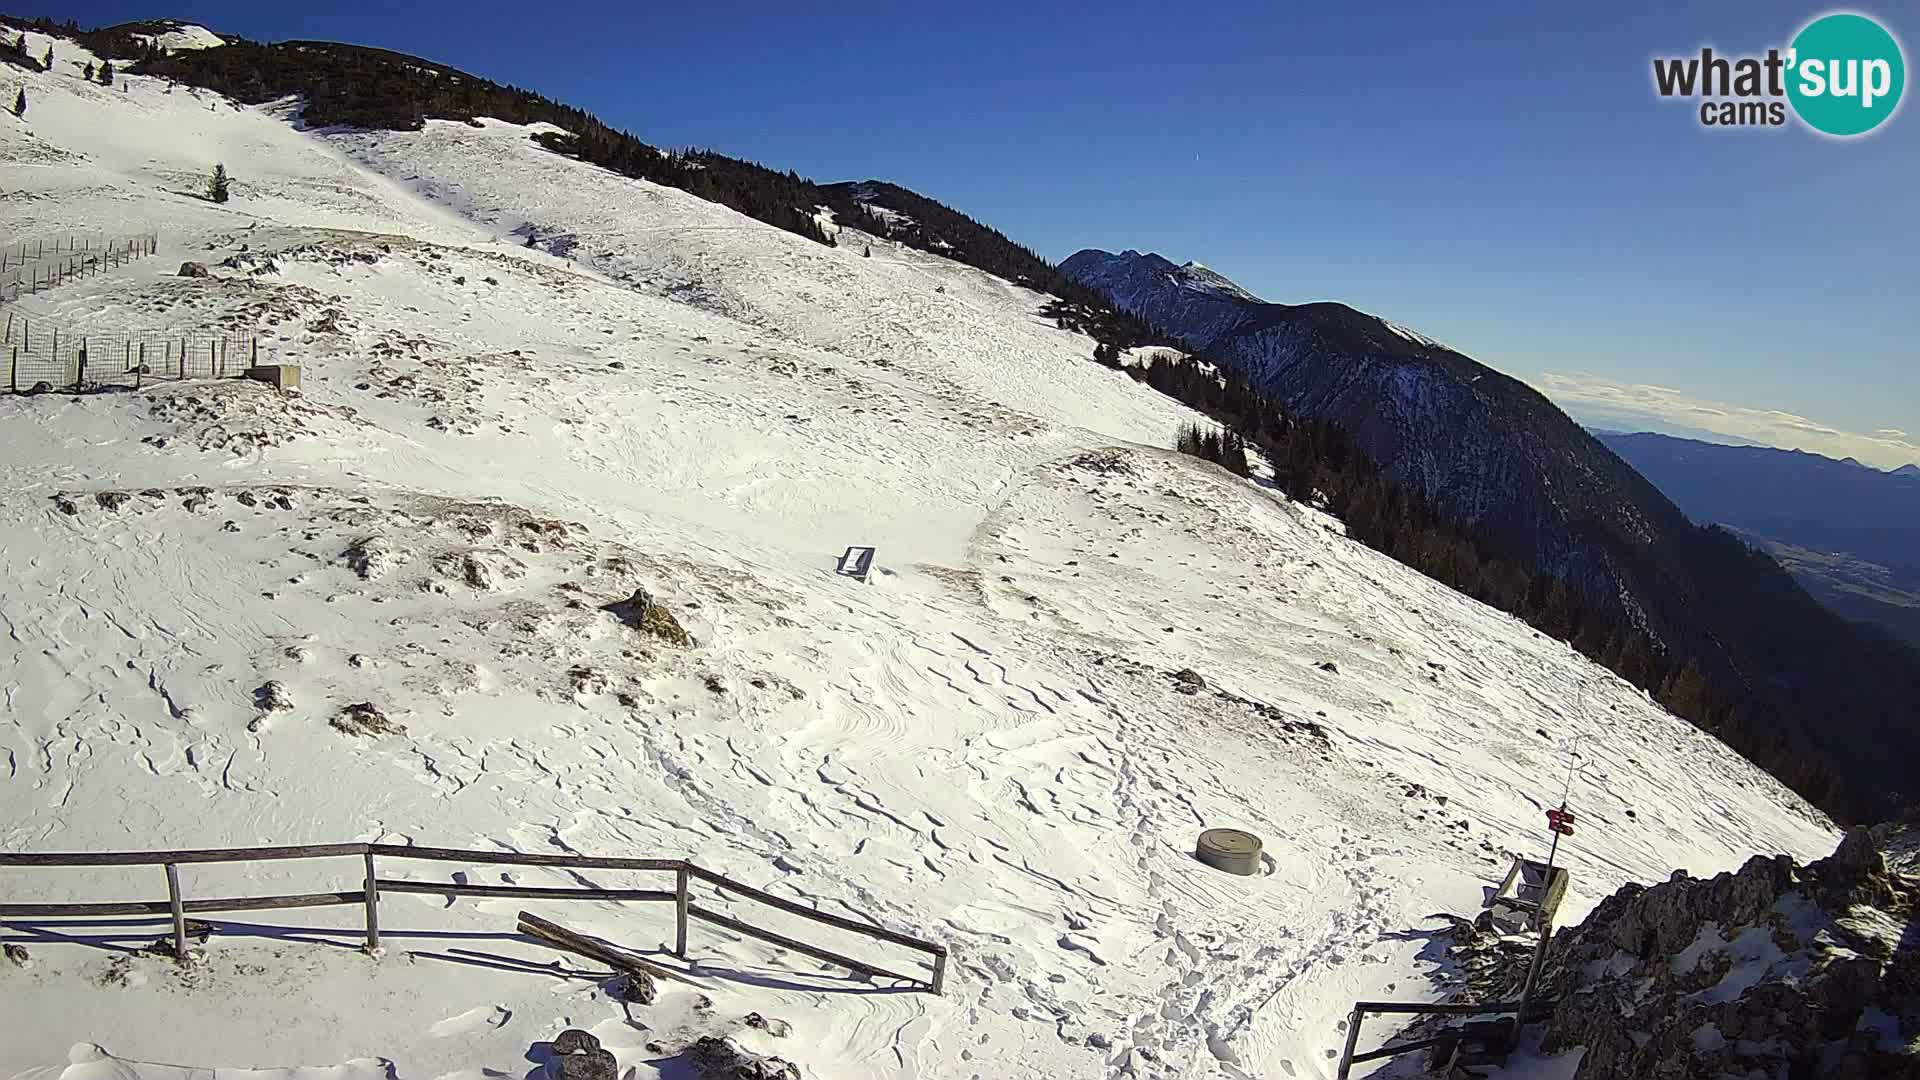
x,y
1353,1039
1540,947
939,972
373,910
680,883
179,913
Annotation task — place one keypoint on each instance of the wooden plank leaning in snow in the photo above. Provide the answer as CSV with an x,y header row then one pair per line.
x,y
593,948
371,885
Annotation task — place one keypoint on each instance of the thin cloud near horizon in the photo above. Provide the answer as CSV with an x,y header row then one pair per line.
x,y
1886,448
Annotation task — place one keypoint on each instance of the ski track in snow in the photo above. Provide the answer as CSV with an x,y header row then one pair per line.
x,y
984,745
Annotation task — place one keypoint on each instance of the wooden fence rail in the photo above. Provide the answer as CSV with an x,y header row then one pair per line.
x,y
178,906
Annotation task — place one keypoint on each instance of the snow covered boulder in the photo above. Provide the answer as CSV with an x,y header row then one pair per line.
x,y
372,557
194,269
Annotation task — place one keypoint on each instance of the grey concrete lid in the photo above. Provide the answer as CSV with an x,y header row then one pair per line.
x,y
1231,850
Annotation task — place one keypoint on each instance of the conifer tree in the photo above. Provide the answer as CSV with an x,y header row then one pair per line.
x,y
20,102
106,73
217,186
88,71
47,60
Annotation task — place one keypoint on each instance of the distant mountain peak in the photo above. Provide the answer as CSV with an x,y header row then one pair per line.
x,y
1908,469
1132,271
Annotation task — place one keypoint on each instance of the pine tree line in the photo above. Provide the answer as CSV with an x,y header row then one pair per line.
x,y
1224,448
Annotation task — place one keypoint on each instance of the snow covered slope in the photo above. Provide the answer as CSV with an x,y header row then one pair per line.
x,y
999,743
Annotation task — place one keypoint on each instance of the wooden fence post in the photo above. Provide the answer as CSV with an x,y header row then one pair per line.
x,y
680,884
13,372
373,910
939,972
179,913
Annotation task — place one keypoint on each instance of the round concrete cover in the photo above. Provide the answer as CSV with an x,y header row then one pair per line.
x,y
1231,850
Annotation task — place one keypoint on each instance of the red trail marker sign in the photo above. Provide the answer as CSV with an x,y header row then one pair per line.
x,y
1560,821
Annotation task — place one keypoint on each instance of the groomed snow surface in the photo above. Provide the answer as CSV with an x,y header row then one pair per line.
x,y
987,745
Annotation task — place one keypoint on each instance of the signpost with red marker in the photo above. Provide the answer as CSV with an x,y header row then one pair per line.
x,y
1560,823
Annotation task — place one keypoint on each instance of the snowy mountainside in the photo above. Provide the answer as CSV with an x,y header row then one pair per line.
x,y
172,35
1812,697
1079,650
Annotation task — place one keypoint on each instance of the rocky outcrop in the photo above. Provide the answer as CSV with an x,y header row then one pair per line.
x,y
647,615
1775,970
715,1057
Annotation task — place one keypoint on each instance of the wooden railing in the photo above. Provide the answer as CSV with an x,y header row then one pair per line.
x,y
372,885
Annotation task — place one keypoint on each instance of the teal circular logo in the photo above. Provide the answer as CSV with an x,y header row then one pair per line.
x,y
1845,74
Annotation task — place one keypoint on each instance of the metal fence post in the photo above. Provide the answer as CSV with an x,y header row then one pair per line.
x,y
1353,1039
680,884
179,913
373,910
13,372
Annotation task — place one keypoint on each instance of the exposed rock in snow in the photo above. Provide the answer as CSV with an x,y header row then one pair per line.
x,y
1778,969
366,718
372,557
647,615
716,1057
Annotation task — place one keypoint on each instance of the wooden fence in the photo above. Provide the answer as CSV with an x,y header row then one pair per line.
x,y
372,885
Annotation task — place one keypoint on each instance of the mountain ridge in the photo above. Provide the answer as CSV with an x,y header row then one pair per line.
x,y
1844,529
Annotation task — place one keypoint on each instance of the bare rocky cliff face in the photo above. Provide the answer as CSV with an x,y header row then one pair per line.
x,y
1776,970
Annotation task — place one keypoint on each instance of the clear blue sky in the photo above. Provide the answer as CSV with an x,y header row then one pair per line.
x,y
1503,180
